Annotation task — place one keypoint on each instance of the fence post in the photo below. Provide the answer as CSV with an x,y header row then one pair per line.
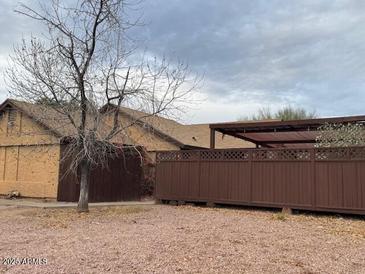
x,y
250,158
313,164
155,189
199,171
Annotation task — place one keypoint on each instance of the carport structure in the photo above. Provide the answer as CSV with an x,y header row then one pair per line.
x,y
274,134
284,170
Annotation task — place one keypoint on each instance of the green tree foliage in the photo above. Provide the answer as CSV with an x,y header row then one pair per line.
x,y
341,135
285,114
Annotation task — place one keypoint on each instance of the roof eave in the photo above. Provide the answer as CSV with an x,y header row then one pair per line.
x,y
8,102
155,130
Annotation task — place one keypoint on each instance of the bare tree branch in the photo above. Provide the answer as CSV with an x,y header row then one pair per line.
x,y
84,66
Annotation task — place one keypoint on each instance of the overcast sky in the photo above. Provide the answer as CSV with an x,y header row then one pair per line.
x,y
252,53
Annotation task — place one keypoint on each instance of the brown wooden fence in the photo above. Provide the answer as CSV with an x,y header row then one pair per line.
x,y
325,179
121,180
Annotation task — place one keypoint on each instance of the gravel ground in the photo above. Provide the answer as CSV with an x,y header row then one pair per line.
x,y
169,239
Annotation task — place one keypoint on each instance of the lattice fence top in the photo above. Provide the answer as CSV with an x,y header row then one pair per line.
x,y
282,155
319,154
331,153
204,155
211,155
344,153
357,153
188,155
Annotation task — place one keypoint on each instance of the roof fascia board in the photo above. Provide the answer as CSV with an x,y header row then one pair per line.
x,y
292,123
8,102
155,130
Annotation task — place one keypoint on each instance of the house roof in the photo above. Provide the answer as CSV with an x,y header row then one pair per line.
x,y
48,117
54,121
183,136
193,135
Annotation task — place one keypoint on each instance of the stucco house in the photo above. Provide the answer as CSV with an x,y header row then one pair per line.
x,y
157,133
29,153
32,141
31,135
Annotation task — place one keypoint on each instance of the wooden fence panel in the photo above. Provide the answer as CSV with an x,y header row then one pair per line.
x,y
281,182
318,179
120,181
352,191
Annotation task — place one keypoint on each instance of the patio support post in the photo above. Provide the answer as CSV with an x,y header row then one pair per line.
x,y
212,138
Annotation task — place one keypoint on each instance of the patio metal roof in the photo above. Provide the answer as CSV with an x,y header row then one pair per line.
x,y
294,133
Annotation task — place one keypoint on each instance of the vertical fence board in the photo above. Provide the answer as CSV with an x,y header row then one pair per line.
x,y
204,179
361,187
319,179
120,181
351,186
322,184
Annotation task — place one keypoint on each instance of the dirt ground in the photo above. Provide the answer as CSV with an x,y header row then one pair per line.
x,y
184,239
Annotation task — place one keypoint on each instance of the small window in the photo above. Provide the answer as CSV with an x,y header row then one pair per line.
x,y
11,117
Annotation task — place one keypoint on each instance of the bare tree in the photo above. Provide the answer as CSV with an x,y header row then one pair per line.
x,y
284,114
82,69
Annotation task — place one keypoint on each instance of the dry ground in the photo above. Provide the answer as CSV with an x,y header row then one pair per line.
x,y
168,239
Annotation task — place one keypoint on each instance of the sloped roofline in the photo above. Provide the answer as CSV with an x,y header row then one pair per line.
x,y
158,132
12,103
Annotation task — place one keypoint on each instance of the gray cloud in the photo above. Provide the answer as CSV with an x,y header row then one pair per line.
x,y
253,53
307,53
13,28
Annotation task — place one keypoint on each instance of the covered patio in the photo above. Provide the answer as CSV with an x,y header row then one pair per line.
x,y
285,170
276,134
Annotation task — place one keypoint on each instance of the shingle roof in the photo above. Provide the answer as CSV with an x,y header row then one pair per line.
x,y
194,135
48,117
55,121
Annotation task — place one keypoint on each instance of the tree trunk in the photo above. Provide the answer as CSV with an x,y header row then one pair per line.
x,y
83,205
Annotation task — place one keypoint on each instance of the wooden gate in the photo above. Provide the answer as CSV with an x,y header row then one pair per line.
x,y
120,181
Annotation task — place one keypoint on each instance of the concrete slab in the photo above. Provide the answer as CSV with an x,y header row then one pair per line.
x,y
38,203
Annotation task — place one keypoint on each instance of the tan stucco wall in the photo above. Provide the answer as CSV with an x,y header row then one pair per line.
x,y
29,158
150,141
136,135
31,170
25,131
